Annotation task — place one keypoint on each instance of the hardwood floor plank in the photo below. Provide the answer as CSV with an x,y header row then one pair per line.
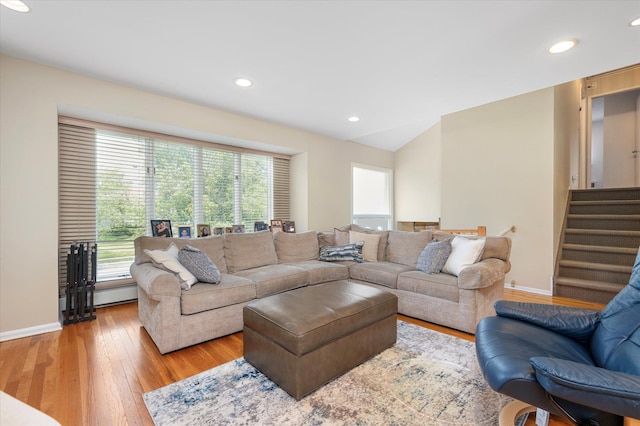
x,y
95,372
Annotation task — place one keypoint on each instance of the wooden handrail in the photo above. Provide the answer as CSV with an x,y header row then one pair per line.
x,y
481,231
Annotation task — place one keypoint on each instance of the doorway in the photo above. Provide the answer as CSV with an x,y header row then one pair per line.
x,y
615,129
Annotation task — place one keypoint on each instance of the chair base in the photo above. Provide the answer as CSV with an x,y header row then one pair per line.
x,y
510,413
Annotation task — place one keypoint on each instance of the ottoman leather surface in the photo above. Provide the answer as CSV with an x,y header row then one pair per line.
x,y
302,320
304,338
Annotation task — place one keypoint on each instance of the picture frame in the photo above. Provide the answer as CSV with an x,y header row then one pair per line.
x,y
289,226
161,228
204,230
276,225
184,232
218,230
237,229
228,230
260,226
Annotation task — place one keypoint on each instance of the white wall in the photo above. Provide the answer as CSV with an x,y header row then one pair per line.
x,y
31,97
498,171
418,178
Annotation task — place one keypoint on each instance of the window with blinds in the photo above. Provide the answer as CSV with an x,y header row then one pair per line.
x,y
114,181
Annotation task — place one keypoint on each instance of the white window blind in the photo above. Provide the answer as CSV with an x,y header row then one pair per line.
x,y
113,182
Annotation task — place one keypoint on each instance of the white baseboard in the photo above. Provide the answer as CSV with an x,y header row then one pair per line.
x,y
529,289
105,296
30,331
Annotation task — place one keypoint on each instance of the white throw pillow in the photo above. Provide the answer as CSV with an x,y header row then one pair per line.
x,y
168,259
370,248
464,252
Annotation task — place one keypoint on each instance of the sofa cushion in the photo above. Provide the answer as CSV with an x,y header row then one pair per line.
x,y
322,272
434,256
464,252
212,247
296,247
230,291
340,238
370,247
274,279
382,273
342,253
441,286
251,250
199,264
405,247
168,259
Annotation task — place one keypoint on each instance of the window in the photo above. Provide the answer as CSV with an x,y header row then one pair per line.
x,y
114,181
371,196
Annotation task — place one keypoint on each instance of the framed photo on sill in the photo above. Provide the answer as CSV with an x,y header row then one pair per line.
x,y
184,231
161,228
276,225
218,230
204,230
289,226
237,229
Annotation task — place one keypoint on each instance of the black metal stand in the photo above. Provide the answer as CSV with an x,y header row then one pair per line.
x,y
81,282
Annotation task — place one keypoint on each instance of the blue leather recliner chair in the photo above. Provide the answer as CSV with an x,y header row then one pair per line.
x,y
577,363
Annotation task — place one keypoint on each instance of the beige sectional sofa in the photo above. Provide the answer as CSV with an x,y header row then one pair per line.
x,y
256,265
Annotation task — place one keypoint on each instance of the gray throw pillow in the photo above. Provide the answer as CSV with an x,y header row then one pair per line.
x,y
199,264
346,252
434,256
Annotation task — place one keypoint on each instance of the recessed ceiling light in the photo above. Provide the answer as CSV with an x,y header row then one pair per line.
x,y
562,46
635,22
243,82
16,5
353,119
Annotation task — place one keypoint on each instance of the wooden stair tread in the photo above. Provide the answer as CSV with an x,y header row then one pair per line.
x,y
601,232
602,202
589,284
602,249
604,216
596,266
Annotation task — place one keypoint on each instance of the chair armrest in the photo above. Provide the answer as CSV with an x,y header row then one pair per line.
x,y
481,274
575,323
606,390
154,281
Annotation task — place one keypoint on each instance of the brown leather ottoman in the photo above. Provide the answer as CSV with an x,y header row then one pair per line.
x,y
304,338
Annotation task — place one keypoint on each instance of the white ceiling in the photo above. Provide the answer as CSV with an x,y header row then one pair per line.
x,y
399,65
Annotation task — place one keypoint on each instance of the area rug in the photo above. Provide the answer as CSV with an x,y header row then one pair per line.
x,y
426,378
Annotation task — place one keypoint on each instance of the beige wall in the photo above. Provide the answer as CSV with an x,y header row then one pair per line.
x,y
498,171
418,178
31,96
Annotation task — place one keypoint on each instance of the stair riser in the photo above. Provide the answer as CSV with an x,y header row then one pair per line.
x,y
591,195
596,296
594,275
605,209
631,224
603,240
622,259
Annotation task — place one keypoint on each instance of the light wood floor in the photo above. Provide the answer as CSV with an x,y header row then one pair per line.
x,y
94,373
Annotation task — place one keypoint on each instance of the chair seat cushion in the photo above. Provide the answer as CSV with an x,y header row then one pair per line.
x,y
506,348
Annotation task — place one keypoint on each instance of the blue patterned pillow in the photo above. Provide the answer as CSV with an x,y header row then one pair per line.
x,y
199,264
347,252
434,256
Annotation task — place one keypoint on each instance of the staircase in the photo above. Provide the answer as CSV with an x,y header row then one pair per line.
x,y
599,243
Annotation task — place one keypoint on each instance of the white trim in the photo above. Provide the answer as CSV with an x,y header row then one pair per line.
x,y
528,289
30,331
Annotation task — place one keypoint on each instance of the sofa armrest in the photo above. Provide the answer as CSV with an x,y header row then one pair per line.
x,y
576,323
155,282
482,274
610,391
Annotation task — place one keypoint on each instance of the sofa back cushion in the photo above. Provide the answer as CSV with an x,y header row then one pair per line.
x,y
615,344
251,250
211,246
296,247
405,247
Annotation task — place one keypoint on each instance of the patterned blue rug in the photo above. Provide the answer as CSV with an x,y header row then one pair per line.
x,y
427,378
